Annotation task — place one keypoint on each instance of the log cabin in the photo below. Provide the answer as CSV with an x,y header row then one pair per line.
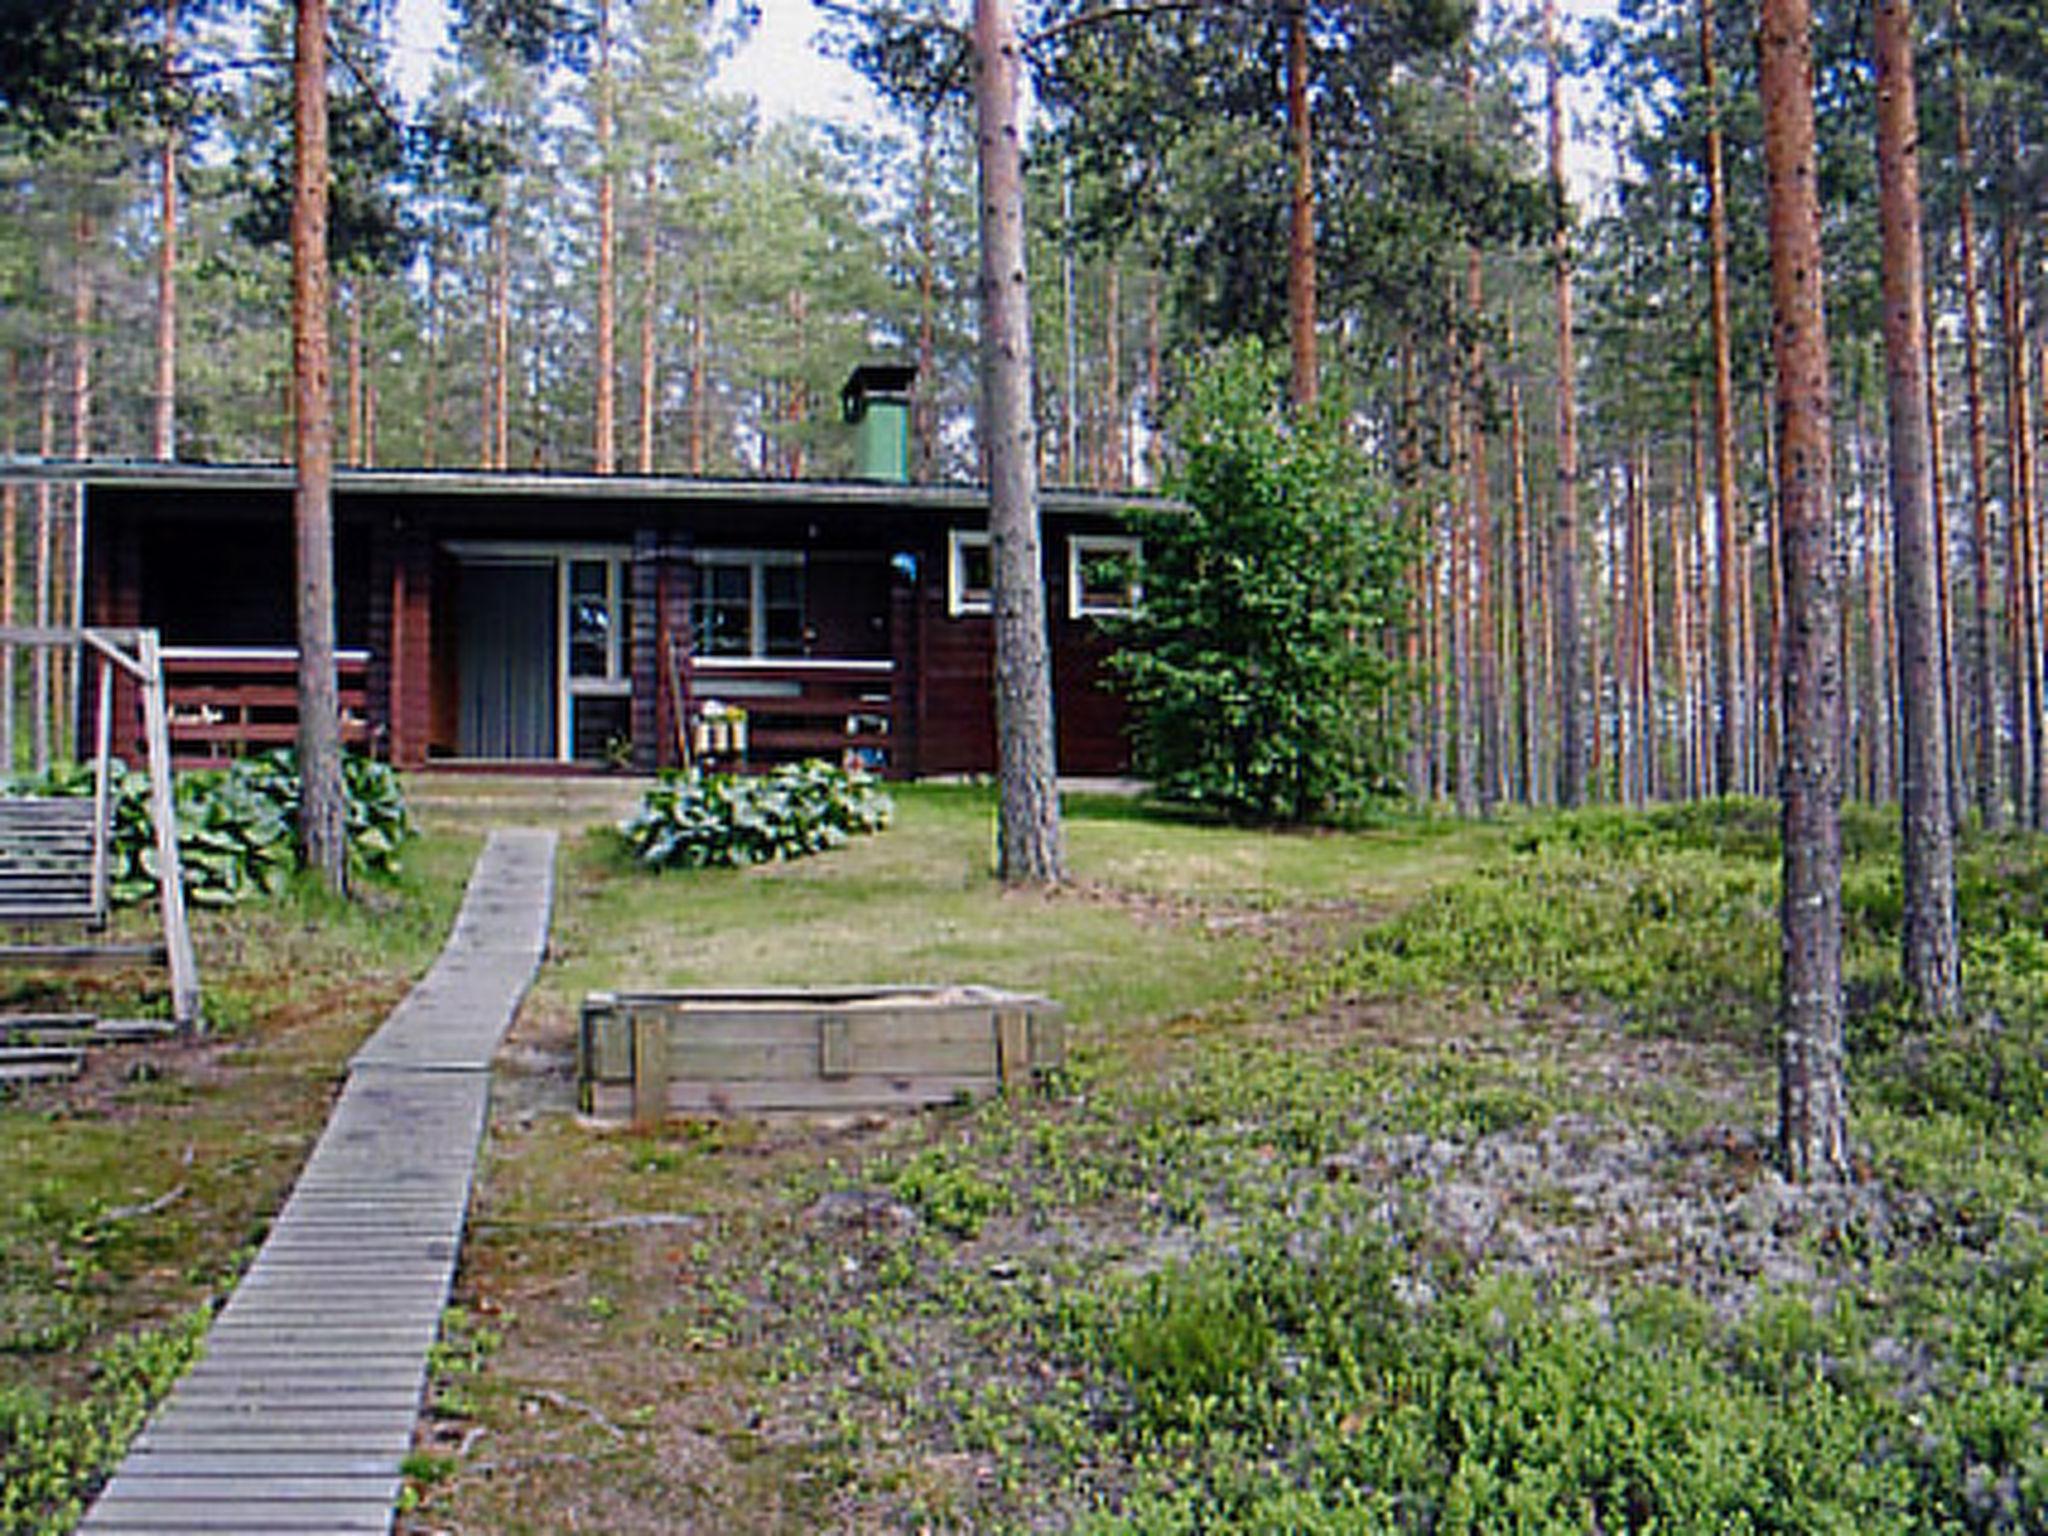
x,y
567,622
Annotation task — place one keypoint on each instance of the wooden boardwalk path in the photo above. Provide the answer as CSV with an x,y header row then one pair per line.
x,y
301,1408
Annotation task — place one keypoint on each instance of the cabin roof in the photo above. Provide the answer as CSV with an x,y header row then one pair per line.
x,y
129,474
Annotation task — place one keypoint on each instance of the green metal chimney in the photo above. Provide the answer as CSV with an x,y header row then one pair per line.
x,y
876,402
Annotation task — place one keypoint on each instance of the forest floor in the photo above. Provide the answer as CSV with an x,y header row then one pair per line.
x,y
1414,1178
1418,1178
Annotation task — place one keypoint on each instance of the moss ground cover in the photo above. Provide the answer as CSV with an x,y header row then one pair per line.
x,y
1412,1180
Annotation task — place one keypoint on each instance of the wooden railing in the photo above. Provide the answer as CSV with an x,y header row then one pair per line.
x,y
226,701
844,711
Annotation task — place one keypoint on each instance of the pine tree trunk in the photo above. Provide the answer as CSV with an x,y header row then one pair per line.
x,y
1928,936
1812,1092
1944,576
2019,501
1113,477
46,515
1733,707
430,407
605,449
650,298
164,422
1485,658
1458,590
1984,680
1155,392
357,395
700,377
1301,221
1029,839
926,447
323,843
501,343
1564,573
1527,644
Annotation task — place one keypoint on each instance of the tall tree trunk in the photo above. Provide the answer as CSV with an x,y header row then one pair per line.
x,y
1155,394
501,341
1070,408
1486,658
430,406
46,515
1944,576
1983,642
1458,595
323,840
10,567
1733,707
650,297
700,377
2019,502
926,410
358,394
1029,840
1113,477
605,450
1928,950
1528,645
164,421
1564,572
1301,223
1812,1090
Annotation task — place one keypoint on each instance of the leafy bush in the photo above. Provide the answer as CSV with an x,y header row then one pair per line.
x,y
1255,666
236,826
696,820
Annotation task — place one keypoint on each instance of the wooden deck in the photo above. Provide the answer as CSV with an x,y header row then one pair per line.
x,y
302,1406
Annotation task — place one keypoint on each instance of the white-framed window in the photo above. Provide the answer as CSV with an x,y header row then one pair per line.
x,y
748,603
1105,575
970,572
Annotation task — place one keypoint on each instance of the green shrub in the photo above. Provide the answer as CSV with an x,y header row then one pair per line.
x,y
1255,667
237,825
695,820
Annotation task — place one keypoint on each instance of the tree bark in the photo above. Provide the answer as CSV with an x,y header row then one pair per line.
x,y
323,841
650,294
1732,707
1301,223
605,450
1528,644
2019,502
1113,476
164,423
1029,839
1983,642
1564,569
925,412
1928,939
1812,1093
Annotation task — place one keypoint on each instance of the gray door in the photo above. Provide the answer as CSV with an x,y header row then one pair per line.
x,y
508,661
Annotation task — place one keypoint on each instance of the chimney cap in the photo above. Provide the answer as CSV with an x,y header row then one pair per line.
x,y
875,381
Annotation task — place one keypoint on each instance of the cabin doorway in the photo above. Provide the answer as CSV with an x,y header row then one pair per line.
x,y
543,652
507,659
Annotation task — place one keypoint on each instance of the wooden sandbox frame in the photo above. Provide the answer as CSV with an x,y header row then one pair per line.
x,y
809,1050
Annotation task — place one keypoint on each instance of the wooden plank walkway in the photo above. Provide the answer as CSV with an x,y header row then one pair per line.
x,y
301,1407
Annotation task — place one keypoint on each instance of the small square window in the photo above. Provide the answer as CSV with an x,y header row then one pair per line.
x,y
1105,576
970,584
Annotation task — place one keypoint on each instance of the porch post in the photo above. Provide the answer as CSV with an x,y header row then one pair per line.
x,y
662,581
